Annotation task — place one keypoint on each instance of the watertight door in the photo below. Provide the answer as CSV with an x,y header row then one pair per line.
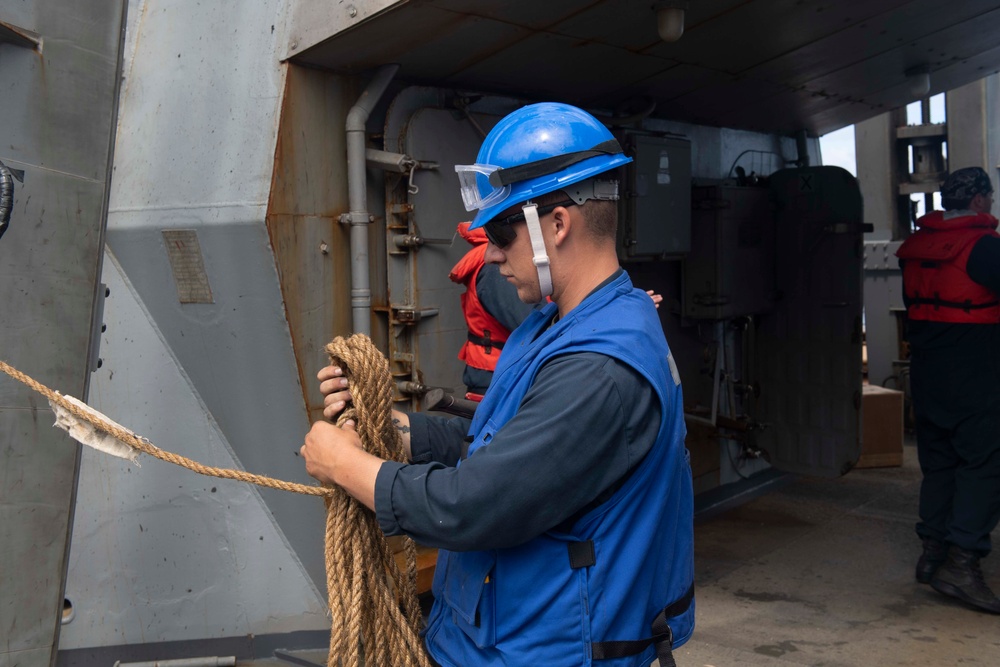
x,y
428,328
810,344
60,63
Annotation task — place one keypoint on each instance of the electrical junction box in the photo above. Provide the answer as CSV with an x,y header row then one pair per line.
x,y
656,198
730,269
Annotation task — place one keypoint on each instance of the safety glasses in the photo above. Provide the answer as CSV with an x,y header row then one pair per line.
x,y
501,232
484,185
477,191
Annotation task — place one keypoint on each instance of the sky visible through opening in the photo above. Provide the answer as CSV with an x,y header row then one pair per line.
x,y
838,147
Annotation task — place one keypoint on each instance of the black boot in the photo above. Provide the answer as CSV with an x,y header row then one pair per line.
x,y
934,555
960,577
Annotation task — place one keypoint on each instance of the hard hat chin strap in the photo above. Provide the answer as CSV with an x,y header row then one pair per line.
x,y
539,257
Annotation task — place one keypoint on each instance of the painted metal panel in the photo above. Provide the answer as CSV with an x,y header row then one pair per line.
x,y
236,351
730,269
312,22
37,468
196,150
160,552
199,131
810,344
657,196
58,108
884,312
554,61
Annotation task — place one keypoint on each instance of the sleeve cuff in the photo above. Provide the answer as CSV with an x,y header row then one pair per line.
x,y
420,449
384,512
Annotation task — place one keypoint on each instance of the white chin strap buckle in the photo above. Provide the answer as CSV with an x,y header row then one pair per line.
x,y
539,257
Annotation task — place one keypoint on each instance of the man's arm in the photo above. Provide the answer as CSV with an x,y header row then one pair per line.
x,y
334,455
560,453
984,263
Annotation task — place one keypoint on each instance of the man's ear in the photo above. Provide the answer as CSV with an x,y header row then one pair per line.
x,y
563,223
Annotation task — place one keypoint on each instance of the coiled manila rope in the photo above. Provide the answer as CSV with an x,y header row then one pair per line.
x,y
357,554
365,586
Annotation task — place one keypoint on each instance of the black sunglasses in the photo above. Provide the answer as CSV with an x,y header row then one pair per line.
x,y
501,232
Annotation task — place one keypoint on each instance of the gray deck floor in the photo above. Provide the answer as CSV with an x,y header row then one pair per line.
x,y
820,572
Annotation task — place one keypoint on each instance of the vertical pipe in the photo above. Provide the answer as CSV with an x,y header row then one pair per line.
x,y
357,190
802,148
720,333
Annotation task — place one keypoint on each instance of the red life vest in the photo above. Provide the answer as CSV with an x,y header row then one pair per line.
x,y
486,334
935,280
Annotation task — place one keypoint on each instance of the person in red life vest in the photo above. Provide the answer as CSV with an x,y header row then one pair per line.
x,y
951,283
492,310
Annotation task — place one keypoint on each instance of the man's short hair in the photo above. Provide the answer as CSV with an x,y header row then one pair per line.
x,y
601,215
961,186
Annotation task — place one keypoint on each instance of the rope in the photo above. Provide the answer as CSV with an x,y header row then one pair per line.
x,y
357,554
359,562
146,447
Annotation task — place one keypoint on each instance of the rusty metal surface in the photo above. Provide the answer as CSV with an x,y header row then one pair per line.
x,y
308,194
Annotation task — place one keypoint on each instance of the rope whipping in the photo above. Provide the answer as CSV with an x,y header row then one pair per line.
x,y
359,561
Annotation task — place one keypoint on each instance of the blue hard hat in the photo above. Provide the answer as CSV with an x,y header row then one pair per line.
x,y
537,149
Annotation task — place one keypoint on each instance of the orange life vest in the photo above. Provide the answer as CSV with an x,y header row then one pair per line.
x,y
486,334
937,286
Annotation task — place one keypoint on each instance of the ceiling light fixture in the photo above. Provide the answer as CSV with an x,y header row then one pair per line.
x,y
670,19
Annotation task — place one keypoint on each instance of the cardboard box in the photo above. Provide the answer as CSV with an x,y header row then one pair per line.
x,y
881,428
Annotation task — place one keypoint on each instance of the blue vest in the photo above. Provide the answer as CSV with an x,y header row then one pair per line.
x,y
529,605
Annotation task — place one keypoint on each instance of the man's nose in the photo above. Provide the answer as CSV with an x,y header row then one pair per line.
x,y
494,255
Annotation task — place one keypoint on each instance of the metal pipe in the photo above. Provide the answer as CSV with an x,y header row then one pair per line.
x,y
397,162
802,148
206,661
720,333
357,191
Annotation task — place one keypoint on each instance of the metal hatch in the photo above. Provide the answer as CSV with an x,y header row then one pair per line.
x,y
423,211
61,63
810,367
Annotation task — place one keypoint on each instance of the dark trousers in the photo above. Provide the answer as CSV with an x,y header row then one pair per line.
x,y
956,401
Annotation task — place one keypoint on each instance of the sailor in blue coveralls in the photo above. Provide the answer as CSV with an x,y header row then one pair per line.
x,y
563,511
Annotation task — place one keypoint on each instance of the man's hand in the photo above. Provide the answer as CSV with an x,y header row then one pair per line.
x,y
322,446
333,455
333,386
